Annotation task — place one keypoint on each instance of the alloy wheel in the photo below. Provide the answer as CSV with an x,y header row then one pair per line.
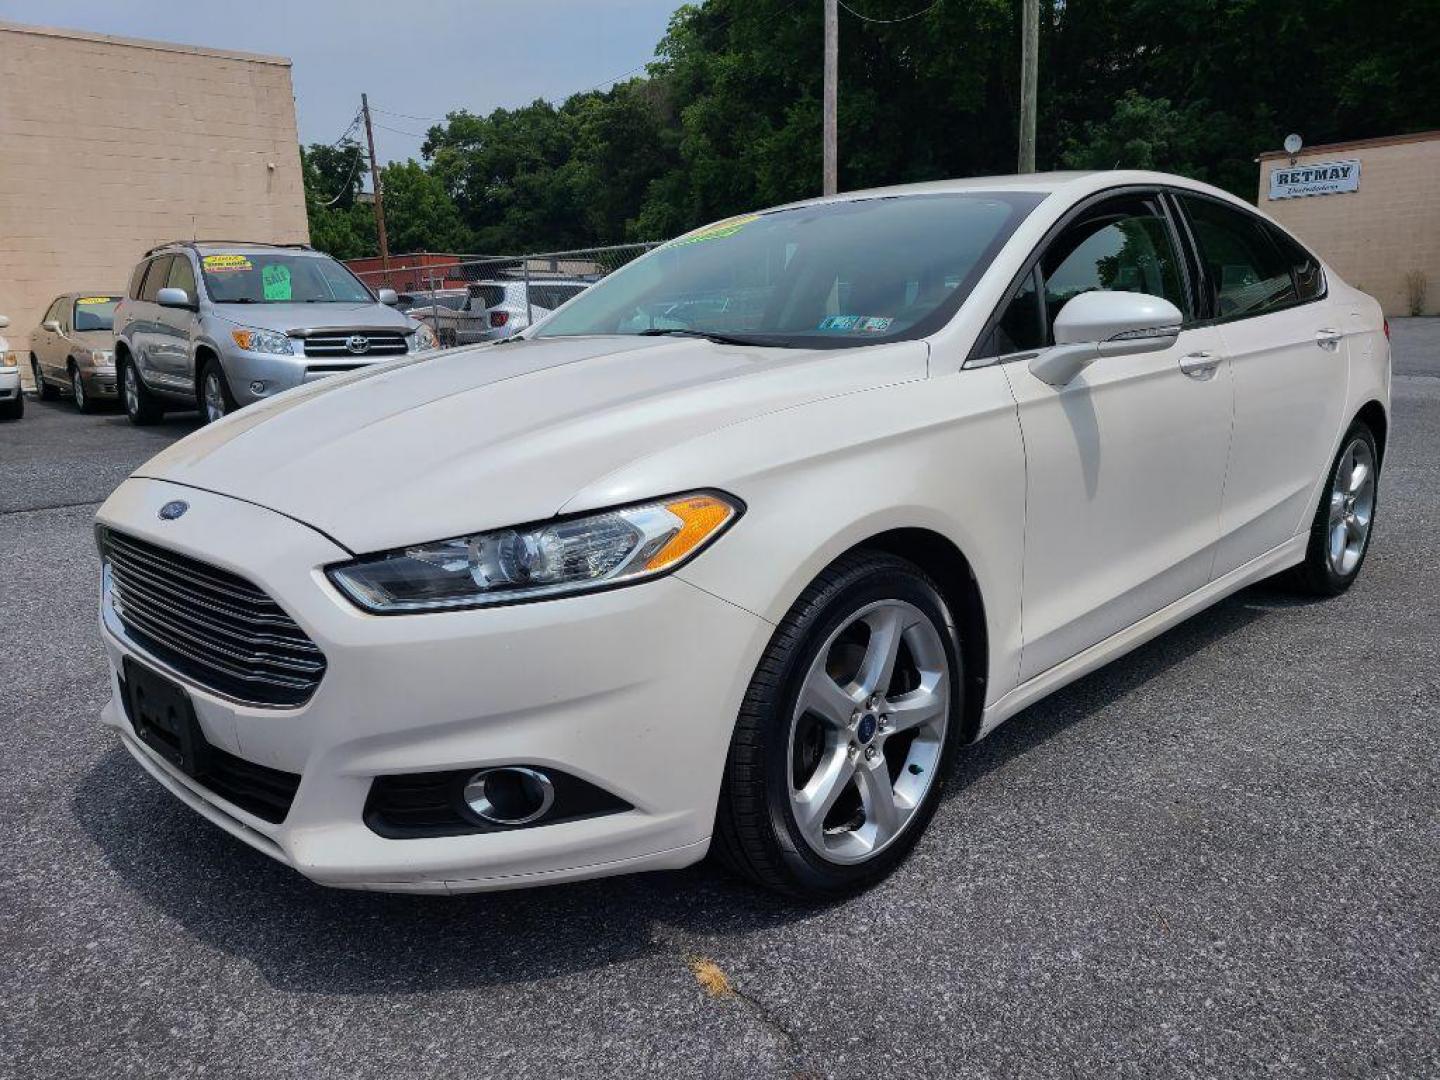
x,y
867,731
132,391
1352,507
77,389
214,396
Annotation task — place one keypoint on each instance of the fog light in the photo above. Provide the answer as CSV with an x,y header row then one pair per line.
x,y
257,387
509,795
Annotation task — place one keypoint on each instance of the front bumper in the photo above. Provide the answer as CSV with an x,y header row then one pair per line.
x,y
634,690
9,384
99,382
258,376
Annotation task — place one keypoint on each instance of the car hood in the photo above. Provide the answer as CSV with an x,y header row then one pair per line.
x,y
424,448
287,317
94,339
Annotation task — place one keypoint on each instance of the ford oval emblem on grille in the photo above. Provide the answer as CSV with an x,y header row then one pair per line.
x,y
172,510
358,344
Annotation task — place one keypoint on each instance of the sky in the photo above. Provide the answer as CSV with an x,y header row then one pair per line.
x,y
416,60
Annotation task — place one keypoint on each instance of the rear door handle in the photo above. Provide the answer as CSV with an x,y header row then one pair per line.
x,y
1200,365
1328,339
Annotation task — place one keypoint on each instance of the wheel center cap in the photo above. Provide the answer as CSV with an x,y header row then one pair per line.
x,y
865,730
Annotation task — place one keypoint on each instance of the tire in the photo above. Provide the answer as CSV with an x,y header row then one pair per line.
x,y
43,390
13,409
141,406
213,394
1346,510
781,753
446,339
83,401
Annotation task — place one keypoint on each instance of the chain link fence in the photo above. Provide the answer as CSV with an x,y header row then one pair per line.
x,y
487,297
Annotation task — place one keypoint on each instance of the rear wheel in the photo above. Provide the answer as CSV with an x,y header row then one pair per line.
x,y
141,406
43,390
1340,534
844,736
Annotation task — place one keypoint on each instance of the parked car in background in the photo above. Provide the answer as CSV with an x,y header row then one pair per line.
x,y
12,397
503,308
216,325
73,348
636,590
446,311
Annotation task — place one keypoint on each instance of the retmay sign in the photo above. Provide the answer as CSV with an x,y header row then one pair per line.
x,y
1321,178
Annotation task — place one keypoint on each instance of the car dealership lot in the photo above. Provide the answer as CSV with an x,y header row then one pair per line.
x,y
1216,856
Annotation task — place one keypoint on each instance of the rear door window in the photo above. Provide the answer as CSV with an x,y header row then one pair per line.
x,y
1304,267
1245,270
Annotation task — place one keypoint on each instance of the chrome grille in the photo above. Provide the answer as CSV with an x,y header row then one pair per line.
x,y
209,624
336,343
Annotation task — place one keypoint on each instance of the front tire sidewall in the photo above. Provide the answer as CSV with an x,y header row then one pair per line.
x,y
884,579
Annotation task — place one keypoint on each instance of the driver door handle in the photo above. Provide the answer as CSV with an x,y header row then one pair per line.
x,y
1200,365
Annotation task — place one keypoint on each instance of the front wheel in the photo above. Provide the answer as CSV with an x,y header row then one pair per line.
x,y
78,394
845,734
1340,534
216,403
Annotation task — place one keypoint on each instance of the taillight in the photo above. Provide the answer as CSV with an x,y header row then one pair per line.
x,y
1387,329
500,318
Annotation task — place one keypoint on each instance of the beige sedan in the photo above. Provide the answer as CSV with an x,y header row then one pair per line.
x,y
73,349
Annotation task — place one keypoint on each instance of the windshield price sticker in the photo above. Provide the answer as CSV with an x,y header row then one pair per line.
x,y
856,324
222,263
96,300
718,231
275,280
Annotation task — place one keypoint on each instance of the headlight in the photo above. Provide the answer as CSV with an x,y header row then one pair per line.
x,y
101,358
9,359
554,558
424,339
263,341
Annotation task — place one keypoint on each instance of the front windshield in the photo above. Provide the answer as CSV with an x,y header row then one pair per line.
x,y
273,277
828,275
94,313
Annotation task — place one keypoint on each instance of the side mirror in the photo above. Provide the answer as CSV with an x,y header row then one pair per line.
x,y
173,298
1096,324
49,324
4,321
387,297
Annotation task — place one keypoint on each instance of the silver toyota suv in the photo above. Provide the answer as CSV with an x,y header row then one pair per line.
x,y
216,325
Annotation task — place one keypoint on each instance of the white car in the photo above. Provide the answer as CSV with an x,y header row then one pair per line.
x,y
628,593
507,307
12,398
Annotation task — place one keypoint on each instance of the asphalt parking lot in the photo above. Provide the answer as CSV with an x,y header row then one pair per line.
x,y
1219,856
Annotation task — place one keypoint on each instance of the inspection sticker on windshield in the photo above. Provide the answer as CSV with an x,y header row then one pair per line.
x,y
719,231
221,263
276,282
855,324
95,299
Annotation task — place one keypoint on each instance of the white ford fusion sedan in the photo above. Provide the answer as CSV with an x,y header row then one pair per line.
x,y
737,549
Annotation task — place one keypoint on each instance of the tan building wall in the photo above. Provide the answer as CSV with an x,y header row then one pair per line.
x,y
109,146
1377,235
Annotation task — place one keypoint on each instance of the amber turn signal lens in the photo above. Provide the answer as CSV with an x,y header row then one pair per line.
x,y
701,516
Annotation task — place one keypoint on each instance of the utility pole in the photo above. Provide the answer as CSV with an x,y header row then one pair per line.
x,y
1029,77
379,192
832,77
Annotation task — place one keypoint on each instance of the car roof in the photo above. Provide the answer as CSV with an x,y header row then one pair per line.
x,y
1076,184
226,246
118,294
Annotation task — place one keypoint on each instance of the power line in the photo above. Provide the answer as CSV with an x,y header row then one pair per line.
x,y
354,170
398,131
408,116
888,22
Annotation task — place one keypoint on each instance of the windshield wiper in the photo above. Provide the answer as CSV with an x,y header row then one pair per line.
x,y
708,335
